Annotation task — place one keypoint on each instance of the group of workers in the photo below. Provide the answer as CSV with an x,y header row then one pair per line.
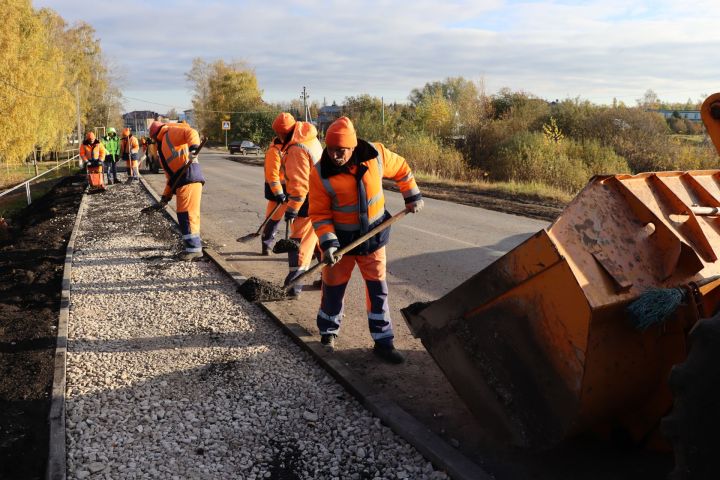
x,y
106,152
328,197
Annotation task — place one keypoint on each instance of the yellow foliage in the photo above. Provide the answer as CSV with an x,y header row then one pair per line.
x,y
40,63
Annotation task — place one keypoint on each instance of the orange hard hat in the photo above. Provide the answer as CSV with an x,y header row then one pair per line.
x,y
283,123
126,132
341,133
90,136
155,128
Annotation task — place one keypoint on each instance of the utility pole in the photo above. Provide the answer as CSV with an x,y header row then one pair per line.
x,y
304,97
382,101
79,126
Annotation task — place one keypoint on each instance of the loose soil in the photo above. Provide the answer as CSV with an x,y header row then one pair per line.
x,y
32,253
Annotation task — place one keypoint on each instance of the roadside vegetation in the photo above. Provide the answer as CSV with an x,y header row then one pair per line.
x,y
46,67
454,131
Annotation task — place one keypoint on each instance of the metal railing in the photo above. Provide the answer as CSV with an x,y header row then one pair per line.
x,y
27,182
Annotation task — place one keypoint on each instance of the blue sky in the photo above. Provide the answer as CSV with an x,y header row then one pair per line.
x,y
595,50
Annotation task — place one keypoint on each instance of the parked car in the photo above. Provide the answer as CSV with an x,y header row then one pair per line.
x,y
244,147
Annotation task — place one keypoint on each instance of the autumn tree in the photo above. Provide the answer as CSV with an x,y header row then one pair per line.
x,y
42,62
225,91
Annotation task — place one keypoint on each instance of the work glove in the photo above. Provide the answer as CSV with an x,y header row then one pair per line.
x,y
281,198
415,207
290,215
329,256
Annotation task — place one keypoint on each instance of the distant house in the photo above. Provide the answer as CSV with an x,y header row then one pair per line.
x,y
326,115
692,115
138,121
189,117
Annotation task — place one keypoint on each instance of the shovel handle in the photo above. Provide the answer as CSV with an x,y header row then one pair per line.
x,y
349,247
267,219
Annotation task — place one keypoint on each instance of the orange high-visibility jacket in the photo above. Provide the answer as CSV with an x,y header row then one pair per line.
x,y
95,151
274,173
134,146
175,142
338,212
301,153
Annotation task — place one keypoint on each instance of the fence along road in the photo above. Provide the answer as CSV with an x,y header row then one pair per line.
x,y
429,254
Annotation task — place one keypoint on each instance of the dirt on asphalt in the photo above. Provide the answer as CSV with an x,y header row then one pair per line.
x,y
32,255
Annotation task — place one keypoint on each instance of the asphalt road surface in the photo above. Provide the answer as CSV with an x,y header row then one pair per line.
x,y
429,254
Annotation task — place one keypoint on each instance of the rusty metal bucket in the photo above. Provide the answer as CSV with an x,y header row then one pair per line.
x,y
538,344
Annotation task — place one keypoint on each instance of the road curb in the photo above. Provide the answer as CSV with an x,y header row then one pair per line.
x,y
434,448
56,467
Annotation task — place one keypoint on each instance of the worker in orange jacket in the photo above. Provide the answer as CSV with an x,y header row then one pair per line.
x,y
347,201
275,193
301,150
92,151
129,148
178,146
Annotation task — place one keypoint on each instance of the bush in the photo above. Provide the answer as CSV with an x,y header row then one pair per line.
x,y
529,157
430,157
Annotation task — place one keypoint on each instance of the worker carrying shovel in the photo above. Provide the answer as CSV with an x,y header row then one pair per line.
x,y
301,150
178,146
347,201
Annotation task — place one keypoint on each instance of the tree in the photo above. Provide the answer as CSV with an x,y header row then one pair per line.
x,y
650,100
223,90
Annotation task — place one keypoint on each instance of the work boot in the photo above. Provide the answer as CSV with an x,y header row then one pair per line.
x,y
188,256
328,341
388,353
265,250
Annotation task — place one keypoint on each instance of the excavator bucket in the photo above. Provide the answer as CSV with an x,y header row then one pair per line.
x,y
538,344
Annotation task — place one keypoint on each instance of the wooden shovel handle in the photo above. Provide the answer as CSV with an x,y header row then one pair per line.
x,y
349,247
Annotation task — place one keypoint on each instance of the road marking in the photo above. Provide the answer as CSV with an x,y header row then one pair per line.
x,y
441,236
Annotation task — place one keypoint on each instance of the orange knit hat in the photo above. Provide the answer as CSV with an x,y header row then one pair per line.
x,y
283,123
341,133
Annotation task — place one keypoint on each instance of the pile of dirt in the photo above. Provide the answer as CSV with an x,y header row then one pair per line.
x,y
258,290
32,254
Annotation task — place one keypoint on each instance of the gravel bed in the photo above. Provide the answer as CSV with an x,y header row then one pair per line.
x,y
172,374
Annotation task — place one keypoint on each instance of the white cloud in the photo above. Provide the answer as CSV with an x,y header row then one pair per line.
x,y
593,49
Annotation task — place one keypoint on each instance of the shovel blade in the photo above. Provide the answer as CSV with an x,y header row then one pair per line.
x,y
285,246
248,237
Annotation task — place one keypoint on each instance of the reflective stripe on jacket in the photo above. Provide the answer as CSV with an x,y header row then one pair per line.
x,y
348,201
301,153
96,151
274,173
174,144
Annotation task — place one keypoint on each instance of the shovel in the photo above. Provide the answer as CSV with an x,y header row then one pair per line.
x,y
251,236
286,245
348,247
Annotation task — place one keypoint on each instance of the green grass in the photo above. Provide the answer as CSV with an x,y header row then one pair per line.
x,y
532,191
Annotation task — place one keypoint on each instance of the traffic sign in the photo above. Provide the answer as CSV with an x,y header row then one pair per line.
x,y
226,125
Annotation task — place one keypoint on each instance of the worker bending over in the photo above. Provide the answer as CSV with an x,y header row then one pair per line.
x,y
178,146
301,150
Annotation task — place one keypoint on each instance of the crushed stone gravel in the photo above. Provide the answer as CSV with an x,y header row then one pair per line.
x,y
173,374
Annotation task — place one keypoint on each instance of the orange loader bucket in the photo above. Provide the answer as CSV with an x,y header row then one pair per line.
x,y
539,345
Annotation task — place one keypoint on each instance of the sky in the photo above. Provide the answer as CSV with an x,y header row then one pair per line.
x,y
596,50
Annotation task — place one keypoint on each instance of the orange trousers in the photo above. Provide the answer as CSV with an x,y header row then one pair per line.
x,y
335,279
301,230
188,199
